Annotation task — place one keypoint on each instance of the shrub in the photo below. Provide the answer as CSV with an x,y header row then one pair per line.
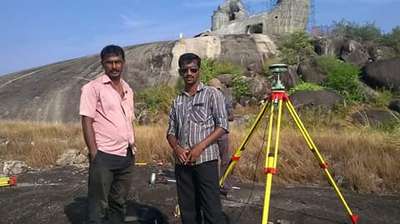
x,y
240,86
211,68
383,99
296,47
158,98
342,77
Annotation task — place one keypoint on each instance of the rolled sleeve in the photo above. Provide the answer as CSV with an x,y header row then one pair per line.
x,y
172,122
88,101
219,111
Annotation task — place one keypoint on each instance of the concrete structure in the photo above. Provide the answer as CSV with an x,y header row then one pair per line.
x,y
287,16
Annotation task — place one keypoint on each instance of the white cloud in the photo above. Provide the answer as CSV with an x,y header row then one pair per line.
x,y
129,22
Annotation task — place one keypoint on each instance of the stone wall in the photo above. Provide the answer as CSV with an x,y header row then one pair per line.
x,y
287,16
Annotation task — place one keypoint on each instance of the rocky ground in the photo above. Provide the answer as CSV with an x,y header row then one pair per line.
x,y
59,196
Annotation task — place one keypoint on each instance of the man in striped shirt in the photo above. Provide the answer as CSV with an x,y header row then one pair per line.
x,y
197,119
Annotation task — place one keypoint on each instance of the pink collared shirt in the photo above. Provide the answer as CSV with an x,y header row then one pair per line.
x,y
113,115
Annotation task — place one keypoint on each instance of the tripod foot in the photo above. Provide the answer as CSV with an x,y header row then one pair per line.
x,y
354,219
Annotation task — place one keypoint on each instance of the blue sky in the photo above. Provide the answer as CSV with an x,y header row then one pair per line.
x,y
39,32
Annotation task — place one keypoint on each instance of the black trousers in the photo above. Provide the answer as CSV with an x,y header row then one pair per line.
x,y
109,181
198,193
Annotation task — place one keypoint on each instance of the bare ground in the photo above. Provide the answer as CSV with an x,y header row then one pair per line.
x,y
59,196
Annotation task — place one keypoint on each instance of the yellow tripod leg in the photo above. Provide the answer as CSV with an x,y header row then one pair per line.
x,y
271,160
236,156
323,164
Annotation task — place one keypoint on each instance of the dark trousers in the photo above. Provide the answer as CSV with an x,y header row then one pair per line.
x,y
198,191
109,181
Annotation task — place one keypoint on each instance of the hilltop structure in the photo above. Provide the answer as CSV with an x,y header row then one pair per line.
x,y
287,16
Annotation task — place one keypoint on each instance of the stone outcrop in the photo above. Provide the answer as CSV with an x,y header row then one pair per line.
x,y
328,46
375,117
355,53
378,52
286,17
51,93
395,105
309,71
383,74
321,98
73,157
14,167
347,50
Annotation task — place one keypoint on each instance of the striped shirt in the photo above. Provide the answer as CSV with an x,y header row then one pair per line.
x,y
194,118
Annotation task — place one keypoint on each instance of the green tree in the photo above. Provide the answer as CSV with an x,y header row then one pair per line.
x,y
351,30
392,39
296,47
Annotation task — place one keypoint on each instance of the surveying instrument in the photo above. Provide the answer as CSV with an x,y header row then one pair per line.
x,y
274,105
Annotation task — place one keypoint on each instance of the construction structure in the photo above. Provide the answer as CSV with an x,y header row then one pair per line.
x,y
286,16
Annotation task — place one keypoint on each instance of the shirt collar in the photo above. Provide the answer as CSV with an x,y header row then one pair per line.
x,y
105,80
200,87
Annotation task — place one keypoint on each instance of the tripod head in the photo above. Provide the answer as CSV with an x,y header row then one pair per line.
x,y
278,70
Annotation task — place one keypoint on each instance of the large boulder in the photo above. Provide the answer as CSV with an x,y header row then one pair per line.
x,y
355,53
51,93
328,46
258,86
291,78
226,79
309,71
395,105
383,74
379,53
314,99
375,117
350,51
14,167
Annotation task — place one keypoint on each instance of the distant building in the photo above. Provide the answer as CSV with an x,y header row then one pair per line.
x,y
287,16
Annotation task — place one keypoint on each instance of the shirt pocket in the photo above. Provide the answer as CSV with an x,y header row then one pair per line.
x,y
199,113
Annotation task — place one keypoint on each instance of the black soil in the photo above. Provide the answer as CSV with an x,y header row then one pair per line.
x,y
59,196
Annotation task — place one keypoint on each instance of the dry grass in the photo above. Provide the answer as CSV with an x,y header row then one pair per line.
x,y
363,160
39,144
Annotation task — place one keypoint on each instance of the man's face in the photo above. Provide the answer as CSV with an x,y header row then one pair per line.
x,y
113,66
190,73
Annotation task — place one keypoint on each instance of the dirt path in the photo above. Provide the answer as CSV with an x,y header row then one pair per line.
x,y
59,196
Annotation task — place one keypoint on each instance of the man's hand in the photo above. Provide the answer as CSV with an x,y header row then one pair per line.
x,y
92,155
194,153
181,153
89,136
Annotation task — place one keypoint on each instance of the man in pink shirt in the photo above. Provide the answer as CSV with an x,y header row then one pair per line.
x,y
107,113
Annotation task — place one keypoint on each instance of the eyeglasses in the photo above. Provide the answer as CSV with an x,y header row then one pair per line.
x,y
185,70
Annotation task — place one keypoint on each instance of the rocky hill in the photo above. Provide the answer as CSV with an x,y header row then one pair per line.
x,y
51,93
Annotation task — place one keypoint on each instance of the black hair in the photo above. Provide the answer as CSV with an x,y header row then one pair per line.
x,y
113,50
188,58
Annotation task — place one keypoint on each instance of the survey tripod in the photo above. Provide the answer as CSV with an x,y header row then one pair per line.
x,y
274,104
